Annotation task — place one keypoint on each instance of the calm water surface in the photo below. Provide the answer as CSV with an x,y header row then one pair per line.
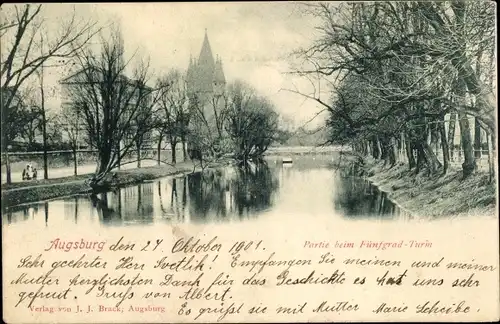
x,y
308,187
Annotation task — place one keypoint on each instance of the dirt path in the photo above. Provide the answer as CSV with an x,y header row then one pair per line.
x,y
43,185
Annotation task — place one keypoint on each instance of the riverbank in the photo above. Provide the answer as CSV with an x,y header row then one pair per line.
x,y
434,197
39,190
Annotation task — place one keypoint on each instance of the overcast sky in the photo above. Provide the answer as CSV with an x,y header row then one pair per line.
x,y
252,39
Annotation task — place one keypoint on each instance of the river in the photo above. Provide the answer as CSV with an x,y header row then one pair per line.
x,y
309,187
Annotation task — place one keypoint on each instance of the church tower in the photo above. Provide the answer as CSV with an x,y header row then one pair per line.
x,y
205,84
205,76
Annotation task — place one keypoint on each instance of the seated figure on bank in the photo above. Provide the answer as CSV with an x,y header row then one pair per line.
x,y
29,173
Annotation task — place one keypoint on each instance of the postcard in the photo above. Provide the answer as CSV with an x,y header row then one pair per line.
x,y
242,162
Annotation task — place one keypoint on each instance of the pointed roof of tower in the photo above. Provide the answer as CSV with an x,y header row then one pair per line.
x,y
206,56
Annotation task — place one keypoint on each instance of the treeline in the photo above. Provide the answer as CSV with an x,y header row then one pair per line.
x,y
307,137
404,76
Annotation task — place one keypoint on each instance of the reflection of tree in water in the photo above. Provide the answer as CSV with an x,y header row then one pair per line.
x,y
130,204
358,197
207,193
231,191
106,213
254,188
46,209
172,203
145,210
20,213
71,208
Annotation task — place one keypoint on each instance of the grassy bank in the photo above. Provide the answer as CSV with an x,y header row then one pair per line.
x,y
37,193
436,196
31,191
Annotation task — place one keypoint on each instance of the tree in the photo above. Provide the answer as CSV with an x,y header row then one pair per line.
x,y
236,122
15,117
68,121
413,64
21,28
140,131
206,135
110,103
252,122
173,110
30,120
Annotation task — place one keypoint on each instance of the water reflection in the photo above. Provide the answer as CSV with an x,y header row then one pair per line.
x,y
231,192
306,187
358,197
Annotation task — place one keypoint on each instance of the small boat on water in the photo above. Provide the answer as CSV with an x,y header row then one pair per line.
x,y
287,160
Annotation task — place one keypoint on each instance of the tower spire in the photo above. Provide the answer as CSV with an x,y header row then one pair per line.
x,y
206,56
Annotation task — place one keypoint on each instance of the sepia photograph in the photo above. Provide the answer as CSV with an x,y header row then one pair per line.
x,y
336,128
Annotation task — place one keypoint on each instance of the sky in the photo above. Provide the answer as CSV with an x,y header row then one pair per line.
x,y
252,39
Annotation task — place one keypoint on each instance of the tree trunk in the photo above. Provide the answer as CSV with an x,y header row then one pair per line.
x,y
477,139
409,153
138,148
392,152
383,153
420,158
451,134
469,164
444,146
402,145
491,158
7,167
379,147
158,156
75,162
431,158
119,155
174,149
388,151
44,118
44,137
375,149
184,154
104,158
434,136
368,148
